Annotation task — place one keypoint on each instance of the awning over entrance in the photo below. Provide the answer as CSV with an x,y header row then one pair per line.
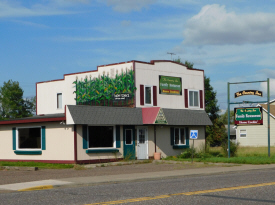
x,y
97,115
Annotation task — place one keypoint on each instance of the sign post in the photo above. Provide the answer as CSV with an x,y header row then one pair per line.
x,y
193,136
257,119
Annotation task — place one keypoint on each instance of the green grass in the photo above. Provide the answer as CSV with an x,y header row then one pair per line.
x,y
245,155
37,164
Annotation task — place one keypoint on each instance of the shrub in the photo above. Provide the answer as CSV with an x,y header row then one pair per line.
x,y
233,148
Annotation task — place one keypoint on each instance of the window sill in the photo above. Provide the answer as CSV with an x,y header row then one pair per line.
x,y
21,152
101,151
180,146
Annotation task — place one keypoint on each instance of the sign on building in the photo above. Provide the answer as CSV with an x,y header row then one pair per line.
x,y
170,85
248,116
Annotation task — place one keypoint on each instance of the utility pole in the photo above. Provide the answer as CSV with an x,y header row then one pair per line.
x,y
171,54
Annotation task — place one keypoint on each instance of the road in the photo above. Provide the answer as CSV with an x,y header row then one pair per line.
x,y
183,190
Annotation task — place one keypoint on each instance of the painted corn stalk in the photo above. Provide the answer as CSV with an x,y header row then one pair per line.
x,y
100,91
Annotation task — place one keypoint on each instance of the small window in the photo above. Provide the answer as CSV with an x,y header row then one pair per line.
x,y
101,136
242,133
148,95
179,137
128,137
193,98
59,100
29,138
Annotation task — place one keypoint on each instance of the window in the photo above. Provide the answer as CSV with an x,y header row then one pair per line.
x,y
179,136
59,100
101,136
29,138
148,95
242,133
193,98
128,137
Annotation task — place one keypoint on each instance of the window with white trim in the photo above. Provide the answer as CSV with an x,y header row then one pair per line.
x,y
101,136
242,133
59,100
194,98
148,95
29,138
179,136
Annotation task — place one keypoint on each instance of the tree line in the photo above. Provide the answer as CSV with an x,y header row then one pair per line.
x,y
12,103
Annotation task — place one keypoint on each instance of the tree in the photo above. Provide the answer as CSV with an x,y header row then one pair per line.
x,y
224,117
211,107
12,103
215,134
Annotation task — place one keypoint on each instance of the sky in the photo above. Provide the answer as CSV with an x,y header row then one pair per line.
x,y
232,41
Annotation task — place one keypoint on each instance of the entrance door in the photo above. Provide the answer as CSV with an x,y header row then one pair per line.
x,y
129,142
142,143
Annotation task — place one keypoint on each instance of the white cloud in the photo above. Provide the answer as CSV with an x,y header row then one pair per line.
x,y
129,5
32,24
213,25
8,9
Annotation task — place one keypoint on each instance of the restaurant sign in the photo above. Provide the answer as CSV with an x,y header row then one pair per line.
x,y
248,116
249,92
170,85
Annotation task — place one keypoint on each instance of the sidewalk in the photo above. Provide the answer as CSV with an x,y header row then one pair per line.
x,y
110,178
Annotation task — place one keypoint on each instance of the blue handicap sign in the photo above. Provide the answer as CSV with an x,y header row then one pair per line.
x,y
193,134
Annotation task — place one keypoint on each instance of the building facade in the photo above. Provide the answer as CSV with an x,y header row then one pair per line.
x,y
126,110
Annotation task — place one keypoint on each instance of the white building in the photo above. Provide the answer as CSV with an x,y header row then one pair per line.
x,y
125,110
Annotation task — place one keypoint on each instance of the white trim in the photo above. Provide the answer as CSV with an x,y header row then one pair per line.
x,y
179,136
98,148
146,104
242,133
193,98
28,149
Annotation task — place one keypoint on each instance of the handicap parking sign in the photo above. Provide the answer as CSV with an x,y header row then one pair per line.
x,y
193,134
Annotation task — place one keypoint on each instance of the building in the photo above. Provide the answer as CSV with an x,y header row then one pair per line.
x,y
257,135
126,110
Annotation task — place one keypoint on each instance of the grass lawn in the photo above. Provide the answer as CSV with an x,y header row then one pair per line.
x,y
245,155
37,164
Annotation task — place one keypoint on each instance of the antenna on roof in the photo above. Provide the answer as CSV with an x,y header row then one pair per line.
x,y
171,54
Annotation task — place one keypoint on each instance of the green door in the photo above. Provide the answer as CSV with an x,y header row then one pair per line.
x,y
129,142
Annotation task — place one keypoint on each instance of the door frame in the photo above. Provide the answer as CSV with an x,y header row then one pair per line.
x,y
146,141
129,151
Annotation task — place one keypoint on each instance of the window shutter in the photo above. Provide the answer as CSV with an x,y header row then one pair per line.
x,y
172,130
155,96
141,94
201,99
85,136
186,98
117,136
187,136
43,138
14,138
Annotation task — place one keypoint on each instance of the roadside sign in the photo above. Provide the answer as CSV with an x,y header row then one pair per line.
x,y
193,134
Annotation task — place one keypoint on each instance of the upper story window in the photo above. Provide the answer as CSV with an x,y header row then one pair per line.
x,y
59,100
193,98
148,95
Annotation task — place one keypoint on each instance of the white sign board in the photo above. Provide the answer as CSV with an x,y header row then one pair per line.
x,y
193,134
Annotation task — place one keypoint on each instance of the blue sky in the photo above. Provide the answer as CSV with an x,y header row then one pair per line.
x,y
232,41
